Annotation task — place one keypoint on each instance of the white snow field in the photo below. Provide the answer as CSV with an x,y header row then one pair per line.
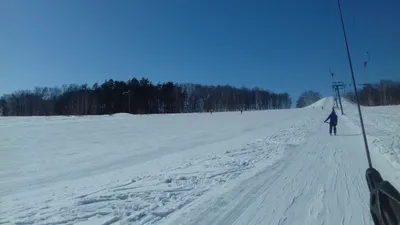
x,y
265,167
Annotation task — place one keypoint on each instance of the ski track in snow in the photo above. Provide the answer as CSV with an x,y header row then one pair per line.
x,y
286,170
383,129
151,198
147,199
316,183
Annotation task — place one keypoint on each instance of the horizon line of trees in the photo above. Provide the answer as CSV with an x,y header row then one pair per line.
x,y
386,92
138,97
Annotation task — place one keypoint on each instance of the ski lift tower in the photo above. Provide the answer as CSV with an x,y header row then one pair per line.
x,y
334,90
339,85
336,86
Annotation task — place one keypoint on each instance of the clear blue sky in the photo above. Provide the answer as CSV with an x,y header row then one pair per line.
x,y
280,45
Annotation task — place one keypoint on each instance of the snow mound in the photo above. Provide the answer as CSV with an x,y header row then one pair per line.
x,y
317,104
121,114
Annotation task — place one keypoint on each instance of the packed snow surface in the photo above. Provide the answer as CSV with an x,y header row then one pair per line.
x,y
263,167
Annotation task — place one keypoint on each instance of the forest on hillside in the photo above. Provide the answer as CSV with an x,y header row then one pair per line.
x,y
138,97
386,92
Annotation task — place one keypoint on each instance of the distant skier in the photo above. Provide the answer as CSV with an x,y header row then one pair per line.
x,y
333,119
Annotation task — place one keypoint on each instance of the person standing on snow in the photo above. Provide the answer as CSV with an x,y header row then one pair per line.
x,y
333,119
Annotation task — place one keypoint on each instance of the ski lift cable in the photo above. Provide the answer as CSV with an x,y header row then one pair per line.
x,y
384,197
355,89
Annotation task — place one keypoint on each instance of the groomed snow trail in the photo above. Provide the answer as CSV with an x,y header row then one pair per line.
x,y
276,167
133,169
319,182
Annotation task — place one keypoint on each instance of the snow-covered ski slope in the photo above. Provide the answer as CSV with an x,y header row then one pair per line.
x,y
269,167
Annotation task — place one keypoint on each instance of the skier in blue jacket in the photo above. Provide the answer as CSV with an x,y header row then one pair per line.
x,y
333,119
